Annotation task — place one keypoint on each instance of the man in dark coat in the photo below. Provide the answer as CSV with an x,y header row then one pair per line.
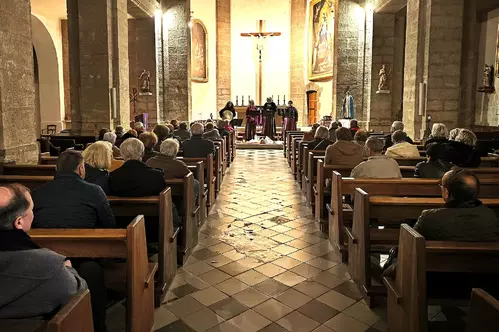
x,y
69,201
463,218
269,126
33,281
197,146
396,125
135,178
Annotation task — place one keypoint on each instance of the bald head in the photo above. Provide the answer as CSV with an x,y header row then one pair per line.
x,y
461,185
197,129
16,208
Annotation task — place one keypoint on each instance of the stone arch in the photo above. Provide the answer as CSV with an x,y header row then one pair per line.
x,y
48,75
313,87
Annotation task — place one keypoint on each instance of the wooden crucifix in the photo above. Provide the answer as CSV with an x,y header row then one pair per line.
x,y
261,34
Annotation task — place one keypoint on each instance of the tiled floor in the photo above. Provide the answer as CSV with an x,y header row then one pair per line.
x,y
262,264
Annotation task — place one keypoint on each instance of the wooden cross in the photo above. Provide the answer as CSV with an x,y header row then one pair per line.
x,y
261,34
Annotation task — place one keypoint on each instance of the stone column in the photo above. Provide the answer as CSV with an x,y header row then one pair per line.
x,y
98,52
17,90
298,61
176,61
223,53
433,56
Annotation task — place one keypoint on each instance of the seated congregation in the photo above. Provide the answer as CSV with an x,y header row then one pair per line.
x,y
413,221
166,175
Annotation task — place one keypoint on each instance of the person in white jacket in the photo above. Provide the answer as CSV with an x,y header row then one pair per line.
x,y
401,148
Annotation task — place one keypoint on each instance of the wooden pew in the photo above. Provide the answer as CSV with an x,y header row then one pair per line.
x,y
294,154
32,170
302,149
157,207
286,140
313,157
486,161
233,144
31,182
210,177
198,170
364,238
407,293
188,239
321,193
480,172
76,315
127,243
484,312
289,140
48,160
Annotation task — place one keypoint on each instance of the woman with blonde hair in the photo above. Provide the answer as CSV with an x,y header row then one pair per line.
x,y
98,157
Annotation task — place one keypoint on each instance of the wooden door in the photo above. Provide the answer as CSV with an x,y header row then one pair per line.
x,y
312,107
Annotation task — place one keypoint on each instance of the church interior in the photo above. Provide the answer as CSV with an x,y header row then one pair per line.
x,y
340,163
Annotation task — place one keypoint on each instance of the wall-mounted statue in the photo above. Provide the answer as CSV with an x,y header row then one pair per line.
x,y
348,107
145,82
488,80
383,81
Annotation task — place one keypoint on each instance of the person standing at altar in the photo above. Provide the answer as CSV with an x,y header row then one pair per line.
x,y
290,117
251,121
269,127
228,107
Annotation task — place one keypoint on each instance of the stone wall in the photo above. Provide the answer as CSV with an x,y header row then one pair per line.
x,y
177,74
413,68
141,55
349,55
17,92
65,69
223,37
120,61
397,76
382,54
298,63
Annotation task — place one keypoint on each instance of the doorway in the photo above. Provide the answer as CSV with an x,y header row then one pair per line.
x,y
312,107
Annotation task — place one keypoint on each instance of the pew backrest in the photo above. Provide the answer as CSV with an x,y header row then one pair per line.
x,y
76,315
484,312
407,293
129,243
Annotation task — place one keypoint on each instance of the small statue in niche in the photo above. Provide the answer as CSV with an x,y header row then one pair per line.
x,y
145,79
383,80
488,80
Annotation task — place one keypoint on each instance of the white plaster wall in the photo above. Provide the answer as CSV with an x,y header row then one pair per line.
x,y
51,73
487,105
276,63
204,95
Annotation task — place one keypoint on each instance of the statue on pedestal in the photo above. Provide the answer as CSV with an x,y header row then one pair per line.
x,y
488,80
145,78
383,80
347,108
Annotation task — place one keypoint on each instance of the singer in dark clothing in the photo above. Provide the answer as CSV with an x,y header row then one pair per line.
x,y
269,127
228,107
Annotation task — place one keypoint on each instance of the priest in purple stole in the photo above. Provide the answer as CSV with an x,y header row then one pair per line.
x,y
290,117
269,127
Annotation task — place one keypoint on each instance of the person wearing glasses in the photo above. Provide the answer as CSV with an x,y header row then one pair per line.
x,y
463,218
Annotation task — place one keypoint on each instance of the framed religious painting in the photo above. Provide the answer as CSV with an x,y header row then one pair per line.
x,y
497,52
199,52
321,30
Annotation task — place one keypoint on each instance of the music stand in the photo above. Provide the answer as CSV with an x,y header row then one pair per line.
x,y
236,122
